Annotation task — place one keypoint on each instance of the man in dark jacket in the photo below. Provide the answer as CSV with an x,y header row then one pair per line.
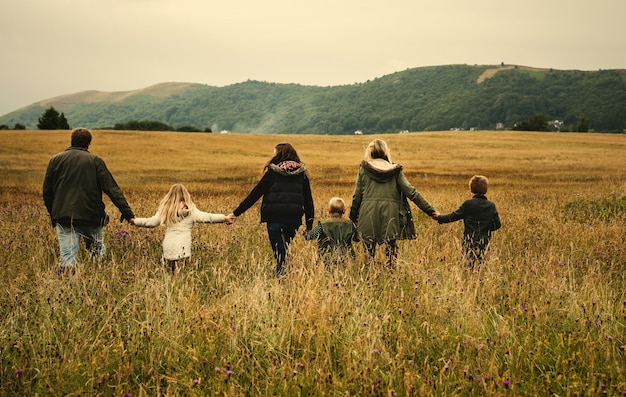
x,y
480,217
72,191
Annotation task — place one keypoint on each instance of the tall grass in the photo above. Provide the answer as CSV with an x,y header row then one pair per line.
x,y
545,315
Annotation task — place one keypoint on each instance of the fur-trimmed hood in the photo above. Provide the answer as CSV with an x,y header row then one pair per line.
x,y
381,170
288,168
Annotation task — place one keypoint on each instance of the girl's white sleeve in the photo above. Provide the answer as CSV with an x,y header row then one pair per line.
x,y
149,222
205,217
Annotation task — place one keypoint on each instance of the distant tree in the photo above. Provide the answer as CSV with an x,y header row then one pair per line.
x,y
144,125
62,123
19,126
208,129
4,127
583,124
52,120
187,128
538,122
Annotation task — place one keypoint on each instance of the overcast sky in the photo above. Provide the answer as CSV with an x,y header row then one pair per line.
x,y
56,47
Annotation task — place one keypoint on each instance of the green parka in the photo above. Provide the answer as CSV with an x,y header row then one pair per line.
x,y
379,203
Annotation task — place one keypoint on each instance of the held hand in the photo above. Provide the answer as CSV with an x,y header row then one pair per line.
x,y
230,218
130,220
435,215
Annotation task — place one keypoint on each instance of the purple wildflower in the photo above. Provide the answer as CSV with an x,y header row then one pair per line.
x,y
506,383
19,372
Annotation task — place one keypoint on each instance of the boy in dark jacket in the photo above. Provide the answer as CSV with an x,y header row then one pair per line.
x,y
480,217
335,235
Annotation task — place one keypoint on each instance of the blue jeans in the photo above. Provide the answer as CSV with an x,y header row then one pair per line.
x,y
280,235
69,242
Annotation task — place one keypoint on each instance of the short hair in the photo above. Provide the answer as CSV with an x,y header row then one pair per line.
x,y
336,205
478,184
378,149
81,137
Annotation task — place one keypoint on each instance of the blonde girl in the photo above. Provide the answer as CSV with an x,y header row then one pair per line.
x,y
178,213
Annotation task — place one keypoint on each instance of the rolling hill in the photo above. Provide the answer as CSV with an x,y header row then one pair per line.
x,y
418,99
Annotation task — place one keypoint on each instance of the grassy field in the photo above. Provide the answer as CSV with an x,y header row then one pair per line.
x,y
546,315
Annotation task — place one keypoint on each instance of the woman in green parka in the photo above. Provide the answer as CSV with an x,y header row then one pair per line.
x,y
379,203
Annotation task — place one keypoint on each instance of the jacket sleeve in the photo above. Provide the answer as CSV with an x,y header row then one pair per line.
x,y
154,221
259,190
205,217
495,221
412,194
109,186
48,187
357,197
309,208
315,233
453,216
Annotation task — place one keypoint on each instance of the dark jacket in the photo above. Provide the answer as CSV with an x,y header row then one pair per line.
x,y
286,195
72,189
379,203
479,215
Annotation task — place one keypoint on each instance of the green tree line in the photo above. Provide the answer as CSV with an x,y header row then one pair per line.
x,y
419,99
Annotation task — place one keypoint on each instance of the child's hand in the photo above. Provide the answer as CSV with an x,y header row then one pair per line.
x,y
435,215
230,219
131,221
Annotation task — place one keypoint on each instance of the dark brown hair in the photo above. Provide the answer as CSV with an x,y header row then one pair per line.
x,y
284,152
479,184
81,137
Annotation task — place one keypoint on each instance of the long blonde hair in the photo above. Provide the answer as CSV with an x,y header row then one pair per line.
x,y
171,204
377,149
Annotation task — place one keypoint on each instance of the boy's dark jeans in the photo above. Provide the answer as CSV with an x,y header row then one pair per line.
x,y
474,248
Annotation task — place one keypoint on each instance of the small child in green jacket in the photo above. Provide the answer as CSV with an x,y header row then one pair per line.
x,y
480,217
335,235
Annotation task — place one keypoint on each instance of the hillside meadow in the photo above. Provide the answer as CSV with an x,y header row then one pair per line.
x,y
545,315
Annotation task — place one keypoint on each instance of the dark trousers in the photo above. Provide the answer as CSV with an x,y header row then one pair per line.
x,y
391,251
280,235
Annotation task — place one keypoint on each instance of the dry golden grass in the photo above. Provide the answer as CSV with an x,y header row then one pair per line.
x,y
545,315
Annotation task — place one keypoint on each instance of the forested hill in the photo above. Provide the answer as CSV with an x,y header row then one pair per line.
x,y
419,99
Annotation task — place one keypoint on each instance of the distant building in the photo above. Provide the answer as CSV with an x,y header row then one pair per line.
x,y
499,126
358,132
555,124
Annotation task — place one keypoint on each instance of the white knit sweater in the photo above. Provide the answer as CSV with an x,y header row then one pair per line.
x,y
177,240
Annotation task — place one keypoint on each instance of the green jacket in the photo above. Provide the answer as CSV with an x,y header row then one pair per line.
x,y
334,236
72,189
379,203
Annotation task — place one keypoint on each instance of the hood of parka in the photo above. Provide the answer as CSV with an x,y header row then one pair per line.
x,y
381,170
288,168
